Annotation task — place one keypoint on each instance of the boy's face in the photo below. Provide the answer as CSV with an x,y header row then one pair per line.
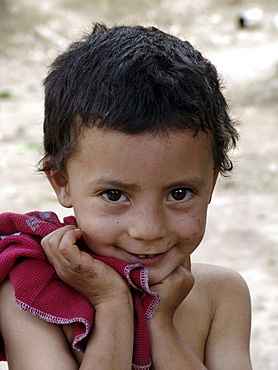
x,y
140,198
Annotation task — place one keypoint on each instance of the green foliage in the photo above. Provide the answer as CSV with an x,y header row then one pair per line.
x,y
5,95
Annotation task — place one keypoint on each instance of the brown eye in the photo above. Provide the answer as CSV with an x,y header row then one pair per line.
x,y
114,195
180,194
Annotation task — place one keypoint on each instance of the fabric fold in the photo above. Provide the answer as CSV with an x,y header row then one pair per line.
x,y
39,290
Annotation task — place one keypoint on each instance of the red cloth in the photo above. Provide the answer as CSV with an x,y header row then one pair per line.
x,y
39,291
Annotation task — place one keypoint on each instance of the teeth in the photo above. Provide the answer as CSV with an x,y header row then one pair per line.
x,y
145,255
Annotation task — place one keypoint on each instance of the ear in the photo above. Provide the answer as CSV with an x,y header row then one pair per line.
x,y
215,177
59,183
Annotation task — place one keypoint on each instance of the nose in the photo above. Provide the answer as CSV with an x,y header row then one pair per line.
x,y
149,223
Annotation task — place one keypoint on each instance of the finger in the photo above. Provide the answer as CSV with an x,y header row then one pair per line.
x,y
180,277
187,277
187,264
68,256
67,246
54,238
52,242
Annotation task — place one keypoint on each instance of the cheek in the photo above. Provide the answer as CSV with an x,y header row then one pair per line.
x,y
99,232
193,226
198,223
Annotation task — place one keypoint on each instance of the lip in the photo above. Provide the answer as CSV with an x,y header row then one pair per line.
x,y
134,258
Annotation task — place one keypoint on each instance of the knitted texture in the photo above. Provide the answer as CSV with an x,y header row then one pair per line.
x,y
39,290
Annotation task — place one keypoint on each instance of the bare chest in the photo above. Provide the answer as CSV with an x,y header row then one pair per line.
x,y
193,320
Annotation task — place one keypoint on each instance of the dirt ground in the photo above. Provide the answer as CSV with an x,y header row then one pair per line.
x,y
243,220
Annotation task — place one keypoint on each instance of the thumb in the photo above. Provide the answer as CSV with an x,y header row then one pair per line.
x,y
187,264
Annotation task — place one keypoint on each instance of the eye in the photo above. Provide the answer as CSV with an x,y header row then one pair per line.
x,y
114,195
180,194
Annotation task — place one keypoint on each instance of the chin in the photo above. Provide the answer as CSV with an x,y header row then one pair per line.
x,y
157,273
155,278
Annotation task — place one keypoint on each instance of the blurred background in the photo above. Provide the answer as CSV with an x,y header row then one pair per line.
x,y
241,38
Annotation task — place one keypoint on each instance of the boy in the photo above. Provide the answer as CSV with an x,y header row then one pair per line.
x,y
136,132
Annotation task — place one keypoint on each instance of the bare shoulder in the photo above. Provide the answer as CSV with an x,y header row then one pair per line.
x,y
227,294
221,291
30,341
218,280
215,317
214,271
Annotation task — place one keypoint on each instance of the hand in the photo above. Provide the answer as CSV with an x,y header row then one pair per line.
x,y
90,277
173,290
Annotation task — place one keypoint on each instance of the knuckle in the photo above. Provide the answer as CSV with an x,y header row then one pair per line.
x,y
78,268
43,243
184,277
68,238
63,247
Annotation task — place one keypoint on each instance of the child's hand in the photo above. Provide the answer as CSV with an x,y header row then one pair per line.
x,y
172,291
90,277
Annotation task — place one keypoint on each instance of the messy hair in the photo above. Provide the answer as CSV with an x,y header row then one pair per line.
x,y
134,80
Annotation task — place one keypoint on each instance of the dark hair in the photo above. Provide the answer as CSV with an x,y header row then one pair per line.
x,y
133,79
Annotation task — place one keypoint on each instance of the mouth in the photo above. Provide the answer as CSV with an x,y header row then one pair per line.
x,y
146,259
145,255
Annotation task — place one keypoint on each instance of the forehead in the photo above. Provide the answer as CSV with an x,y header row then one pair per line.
x,y
88,137
171,152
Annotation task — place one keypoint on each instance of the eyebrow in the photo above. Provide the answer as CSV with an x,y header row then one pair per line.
x,y
115,183
189,182
193,181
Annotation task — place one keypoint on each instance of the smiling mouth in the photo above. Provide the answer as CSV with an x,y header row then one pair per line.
x,y
147,259
145,255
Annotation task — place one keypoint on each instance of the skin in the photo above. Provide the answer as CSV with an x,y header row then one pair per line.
x,y
135,196
145,172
